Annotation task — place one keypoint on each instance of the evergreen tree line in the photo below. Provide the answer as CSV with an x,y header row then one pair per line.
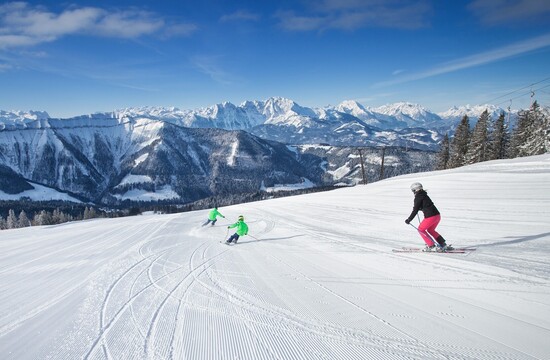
x,y
44,217
491,139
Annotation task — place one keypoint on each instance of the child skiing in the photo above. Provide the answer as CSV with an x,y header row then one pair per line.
x,y
242,229
431,219
212,216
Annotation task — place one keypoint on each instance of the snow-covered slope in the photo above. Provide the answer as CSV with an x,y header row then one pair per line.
x,y
39,193
314,279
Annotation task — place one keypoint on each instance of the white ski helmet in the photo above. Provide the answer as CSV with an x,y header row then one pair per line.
x,y
416,186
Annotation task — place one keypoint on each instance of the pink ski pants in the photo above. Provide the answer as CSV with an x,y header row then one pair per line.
x,y
427,228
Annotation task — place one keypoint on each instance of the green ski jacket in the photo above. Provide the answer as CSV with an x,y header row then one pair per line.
x,y
242,228
213,214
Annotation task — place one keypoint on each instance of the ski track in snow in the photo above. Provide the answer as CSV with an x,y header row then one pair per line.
x,y
315,279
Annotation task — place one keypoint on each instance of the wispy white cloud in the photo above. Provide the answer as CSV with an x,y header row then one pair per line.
x,y
502,12
5,67
19,18
483,58
355,14
23,24
126,24
178,30
210,65
241,15
290,21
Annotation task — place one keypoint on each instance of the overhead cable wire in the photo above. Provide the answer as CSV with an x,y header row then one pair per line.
x,y
515,91
530,92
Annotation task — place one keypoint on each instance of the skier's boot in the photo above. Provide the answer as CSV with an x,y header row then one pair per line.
x,y
441,241
429,248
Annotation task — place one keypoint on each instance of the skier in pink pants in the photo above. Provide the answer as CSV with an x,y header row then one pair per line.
x,y
431,219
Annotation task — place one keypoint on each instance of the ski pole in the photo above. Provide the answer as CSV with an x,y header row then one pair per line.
x,y
226,233
253,237
430,236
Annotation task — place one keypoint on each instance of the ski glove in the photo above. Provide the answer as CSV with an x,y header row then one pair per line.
x,y
407,221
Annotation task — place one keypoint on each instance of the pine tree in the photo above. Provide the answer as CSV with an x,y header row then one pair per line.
x,y
55,216
547,131
35,220
519,135
23,220
63,218
42,218
538,134
477,146
499,139
530,133
11,221
3,224
59,217
86,215
443,155
459,144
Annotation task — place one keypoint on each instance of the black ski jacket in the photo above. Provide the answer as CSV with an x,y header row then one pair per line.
x,y
423,202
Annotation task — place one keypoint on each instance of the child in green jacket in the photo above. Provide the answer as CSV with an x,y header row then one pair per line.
x,y
242,229
212,216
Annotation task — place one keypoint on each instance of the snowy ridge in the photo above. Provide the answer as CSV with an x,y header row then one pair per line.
x,y
281,119
474,112
14,116
315,278
279,110
404,109
18,119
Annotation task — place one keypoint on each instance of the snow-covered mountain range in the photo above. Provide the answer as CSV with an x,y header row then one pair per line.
x,y
281,119
348,123
108,160
154,153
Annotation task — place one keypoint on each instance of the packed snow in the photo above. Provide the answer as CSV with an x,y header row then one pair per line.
x,y
315,278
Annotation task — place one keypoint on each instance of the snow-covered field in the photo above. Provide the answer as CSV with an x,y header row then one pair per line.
x,y
39,193
317,278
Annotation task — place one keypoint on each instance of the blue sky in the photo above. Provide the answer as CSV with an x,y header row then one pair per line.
x,y
73,58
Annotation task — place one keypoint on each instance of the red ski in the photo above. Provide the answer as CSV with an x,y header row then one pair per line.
x,y
454,248
419,250
459,250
